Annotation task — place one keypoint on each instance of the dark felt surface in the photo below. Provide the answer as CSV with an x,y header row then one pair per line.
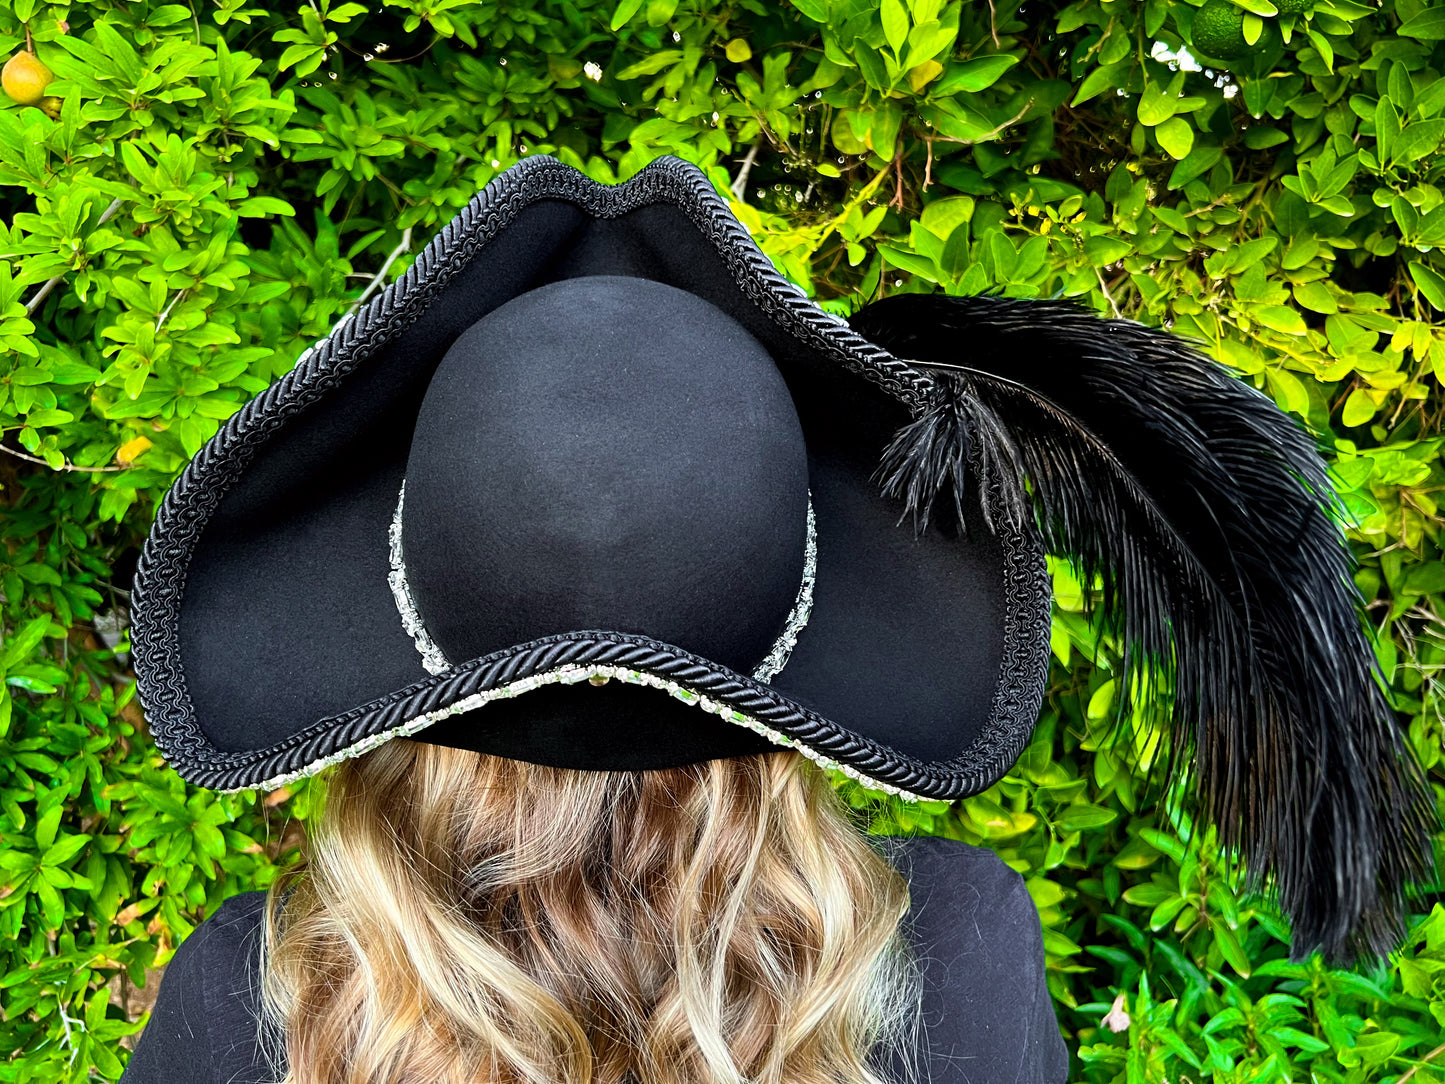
x,y
287,617
607,453
986,1014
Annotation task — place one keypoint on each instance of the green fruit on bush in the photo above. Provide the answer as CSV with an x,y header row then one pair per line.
x,y
1219,30
1293,7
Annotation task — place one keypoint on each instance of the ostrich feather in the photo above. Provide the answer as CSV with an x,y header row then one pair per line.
x,y
1208,516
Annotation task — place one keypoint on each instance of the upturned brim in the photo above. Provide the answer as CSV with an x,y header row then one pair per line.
x,y
265,636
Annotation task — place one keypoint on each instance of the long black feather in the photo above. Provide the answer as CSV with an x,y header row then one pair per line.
x,y
1208,515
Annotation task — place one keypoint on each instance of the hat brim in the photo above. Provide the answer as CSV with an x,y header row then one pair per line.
x,y
265,634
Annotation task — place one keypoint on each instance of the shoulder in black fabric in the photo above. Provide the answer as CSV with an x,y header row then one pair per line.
x,y
986,1016
207,1024
1208,516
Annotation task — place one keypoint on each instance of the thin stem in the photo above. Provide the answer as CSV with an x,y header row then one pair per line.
x,y
1421,1063
740,185
66,466
50,284
380,276
1105,287
161,319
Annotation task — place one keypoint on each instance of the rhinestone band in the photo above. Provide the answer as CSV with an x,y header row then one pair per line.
x,y
435,661
782,649
432,657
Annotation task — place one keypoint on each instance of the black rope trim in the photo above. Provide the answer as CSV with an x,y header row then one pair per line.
x,y
329,738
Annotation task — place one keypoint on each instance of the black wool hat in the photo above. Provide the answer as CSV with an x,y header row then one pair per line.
x,y
593,486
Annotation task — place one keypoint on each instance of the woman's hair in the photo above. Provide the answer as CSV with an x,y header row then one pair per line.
x,y
464,918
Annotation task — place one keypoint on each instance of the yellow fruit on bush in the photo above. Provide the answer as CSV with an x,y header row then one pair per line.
x,y
50,106
25,78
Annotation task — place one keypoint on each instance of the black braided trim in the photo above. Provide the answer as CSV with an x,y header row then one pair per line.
x,y
1024,675
332,738
161,573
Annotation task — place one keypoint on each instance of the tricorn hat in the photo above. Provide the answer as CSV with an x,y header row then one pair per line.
x,y
592,485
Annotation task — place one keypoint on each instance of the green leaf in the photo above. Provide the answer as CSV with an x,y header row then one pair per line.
x,y
1430,283
1372,1049
65,371
1176,136
1083,816
30,684
1299,1040
909,261
1198,161
119,51
1100,80
652,64
895,24
1150,895
38,573
49,417
1230,948
1288,390
47,825
262,206
1427,580
956,252
52,906
66,848
1427,25
1156,105
1166,912
1280,318
1359,408
1164,843
19,646
1101,703
942,216
1316,297
1261,137
1103,250
304,57
1302,248
974,75
1323,46
1418,140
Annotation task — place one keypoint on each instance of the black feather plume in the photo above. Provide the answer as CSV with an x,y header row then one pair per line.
x,y
1208,515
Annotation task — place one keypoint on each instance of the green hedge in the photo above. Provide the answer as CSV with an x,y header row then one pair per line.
x,y
223,182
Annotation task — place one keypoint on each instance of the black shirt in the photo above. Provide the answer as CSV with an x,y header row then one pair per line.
x,y
987,1017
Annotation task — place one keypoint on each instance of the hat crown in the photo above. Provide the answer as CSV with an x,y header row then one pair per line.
x,y
606,453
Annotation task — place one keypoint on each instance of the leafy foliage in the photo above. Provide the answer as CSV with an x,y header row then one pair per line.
x,y
222,183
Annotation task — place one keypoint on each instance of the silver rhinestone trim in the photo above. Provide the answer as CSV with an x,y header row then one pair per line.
x,y
777,658
571,675
432,657
434,660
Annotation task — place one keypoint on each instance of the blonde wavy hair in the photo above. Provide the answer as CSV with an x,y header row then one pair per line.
x,y
468,919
